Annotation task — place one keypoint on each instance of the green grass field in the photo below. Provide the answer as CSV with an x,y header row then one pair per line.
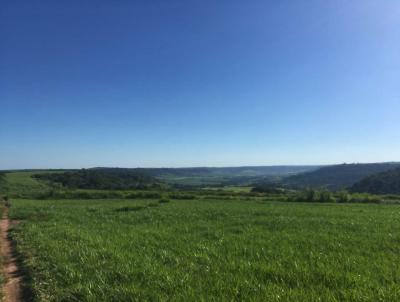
x,y
2,279
209,250
21,184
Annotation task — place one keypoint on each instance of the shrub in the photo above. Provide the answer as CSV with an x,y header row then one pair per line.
x,y
343,197
150,195
392,197
53,194
366,198
325,196
311,195
267,188
182,196
131,209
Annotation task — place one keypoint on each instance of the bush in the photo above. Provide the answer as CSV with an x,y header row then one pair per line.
x,y
163,200
53,194
325,196
392,197
182,196
366,198
311,195
343,197
267,188
149,195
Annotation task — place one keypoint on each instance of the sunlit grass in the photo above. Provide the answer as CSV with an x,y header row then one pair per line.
x,y
22,184
209,250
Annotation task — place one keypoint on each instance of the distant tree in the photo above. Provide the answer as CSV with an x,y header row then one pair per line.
x,y
343,197
267,188
107,178
311,195
2,181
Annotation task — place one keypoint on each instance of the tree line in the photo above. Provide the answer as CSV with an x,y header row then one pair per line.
x,y
382,183
107,179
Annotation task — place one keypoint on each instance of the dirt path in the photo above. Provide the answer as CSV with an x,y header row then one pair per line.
x,y
12,288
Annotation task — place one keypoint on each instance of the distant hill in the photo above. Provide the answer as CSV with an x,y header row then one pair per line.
x,y
215,176
232,171
112,178
381,183
21,182
338,176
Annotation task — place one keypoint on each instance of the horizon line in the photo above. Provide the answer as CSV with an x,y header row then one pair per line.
x,y
209,167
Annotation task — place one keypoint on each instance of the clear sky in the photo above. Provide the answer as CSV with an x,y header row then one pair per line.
x,y
198,83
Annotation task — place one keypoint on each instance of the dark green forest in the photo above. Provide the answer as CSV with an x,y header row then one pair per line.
x,y
381,183
337,177
109,179
2,179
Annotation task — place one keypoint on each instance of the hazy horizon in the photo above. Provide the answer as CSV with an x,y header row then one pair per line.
x,y
188,167
189,83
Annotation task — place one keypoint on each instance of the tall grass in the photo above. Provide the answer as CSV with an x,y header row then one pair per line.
x,y
209,250
22,185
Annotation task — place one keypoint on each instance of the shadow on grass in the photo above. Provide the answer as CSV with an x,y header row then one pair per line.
x,y
137,208
131,209
27,293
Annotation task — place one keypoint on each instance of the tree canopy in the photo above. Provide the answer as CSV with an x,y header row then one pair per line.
x,y
112,178
381,183
337,177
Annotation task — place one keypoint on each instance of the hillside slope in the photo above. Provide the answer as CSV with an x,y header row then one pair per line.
x,y
229,171
338,176
100,179
205,176
22,184
381,183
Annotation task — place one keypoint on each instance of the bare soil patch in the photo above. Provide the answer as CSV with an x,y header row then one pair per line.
x,y
12,288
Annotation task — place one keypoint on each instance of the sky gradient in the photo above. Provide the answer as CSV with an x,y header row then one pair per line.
x,y
198,83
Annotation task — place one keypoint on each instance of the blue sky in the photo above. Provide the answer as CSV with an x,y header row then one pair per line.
x,y
198,83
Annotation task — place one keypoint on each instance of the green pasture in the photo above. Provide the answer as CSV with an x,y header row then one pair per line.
x,y
208,250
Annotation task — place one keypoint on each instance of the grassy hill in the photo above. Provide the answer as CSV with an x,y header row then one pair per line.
x,y
34,183
338,176
241,250
381,183
22,184
106,179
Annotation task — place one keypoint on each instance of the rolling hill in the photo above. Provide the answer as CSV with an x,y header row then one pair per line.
x,y
231,171
381,183
337,177
219,176
100,179
18,183
21,183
